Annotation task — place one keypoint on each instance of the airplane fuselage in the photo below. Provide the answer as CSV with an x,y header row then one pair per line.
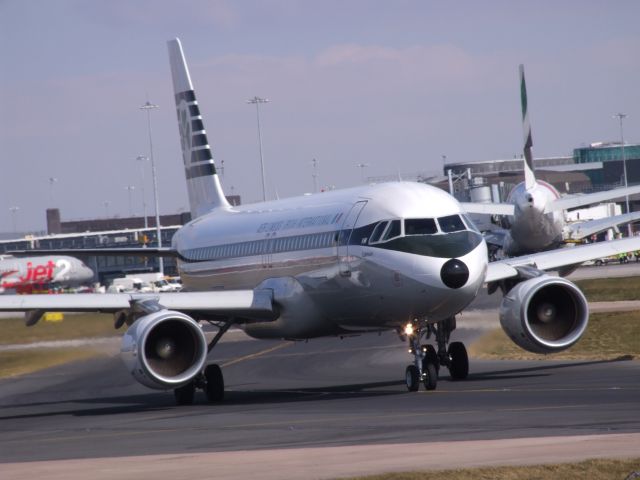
x,y
21,274
360,259
533,229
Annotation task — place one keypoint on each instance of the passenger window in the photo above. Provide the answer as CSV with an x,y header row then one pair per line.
x,y
420,226
393,231
451,223
377,231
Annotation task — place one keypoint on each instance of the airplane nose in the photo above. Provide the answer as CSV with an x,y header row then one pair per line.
x,y
454,273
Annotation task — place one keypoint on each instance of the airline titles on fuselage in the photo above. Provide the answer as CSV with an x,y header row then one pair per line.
x,y
36,274
305,222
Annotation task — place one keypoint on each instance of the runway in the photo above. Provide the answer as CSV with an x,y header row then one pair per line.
x,y
324,393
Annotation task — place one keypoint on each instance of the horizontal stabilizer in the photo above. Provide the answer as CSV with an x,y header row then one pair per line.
x,y
588,228
573,201
488,208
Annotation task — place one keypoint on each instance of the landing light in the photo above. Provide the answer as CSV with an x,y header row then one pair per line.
x,y
408,329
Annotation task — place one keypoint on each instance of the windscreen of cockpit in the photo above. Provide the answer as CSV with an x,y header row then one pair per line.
x,y
387,230
449,236
429,226
451,223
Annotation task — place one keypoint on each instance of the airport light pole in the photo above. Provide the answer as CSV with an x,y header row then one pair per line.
x,y
106,208
257,101
130,188
14,211
148,107
620,117
362,166
142,159
315,175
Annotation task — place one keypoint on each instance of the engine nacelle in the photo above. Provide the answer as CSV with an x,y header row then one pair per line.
x,y
544,314
164,350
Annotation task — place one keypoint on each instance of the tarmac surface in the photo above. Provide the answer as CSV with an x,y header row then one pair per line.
x,y
322,409
324,393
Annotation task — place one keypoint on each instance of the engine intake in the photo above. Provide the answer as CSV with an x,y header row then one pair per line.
x,y
164,349
544,314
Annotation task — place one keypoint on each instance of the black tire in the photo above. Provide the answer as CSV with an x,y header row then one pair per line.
x,y
459,367
431,357
215,383
184,395
430,376
412,378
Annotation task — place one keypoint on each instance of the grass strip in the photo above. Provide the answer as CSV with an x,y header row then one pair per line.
x,y
27,361
609,336
610,289
83,325
602,469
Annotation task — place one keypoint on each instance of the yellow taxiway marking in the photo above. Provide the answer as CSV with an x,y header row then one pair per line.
x,y
257,354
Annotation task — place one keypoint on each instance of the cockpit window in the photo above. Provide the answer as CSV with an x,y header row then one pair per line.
x,y
470,225
451,223
420,226
393,231
377,231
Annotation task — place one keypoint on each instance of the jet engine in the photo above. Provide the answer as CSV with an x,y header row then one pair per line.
x,y
164,349
544,314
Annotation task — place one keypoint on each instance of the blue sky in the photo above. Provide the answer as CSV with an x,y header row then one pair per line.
x,y
395,85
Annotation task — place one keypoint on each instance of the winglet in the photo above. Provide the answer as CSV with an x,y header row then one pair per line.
x,y
529,175
203,184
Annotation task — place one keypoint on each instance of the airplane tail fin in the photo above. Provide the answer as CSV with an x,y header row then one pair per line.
x,y
529,175
203,184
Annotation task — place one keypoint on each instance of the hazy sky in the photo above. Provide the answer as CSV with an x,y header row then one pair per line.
x,y
394,84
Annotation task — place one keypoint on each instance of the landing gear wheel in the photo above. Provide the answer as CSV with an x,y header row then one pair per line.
x,y
215,383
430,375
431,357
459,365
184,395
412,378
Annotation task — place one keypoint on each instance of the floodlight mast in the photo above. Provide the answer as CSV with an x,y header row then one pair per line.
x,y
620,117
257,101
148,107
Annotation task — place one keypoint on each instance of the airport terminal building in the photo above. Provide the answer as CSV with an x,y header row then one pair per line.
x,y
112,232
592,168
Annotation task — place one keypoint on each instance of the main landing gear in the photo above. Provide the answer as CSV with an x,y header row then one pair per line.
x,y
427,360
210,379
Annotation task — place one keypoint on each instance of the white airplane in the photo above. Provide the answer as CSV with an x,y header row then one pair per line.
x,y
23,275
535,210
395,256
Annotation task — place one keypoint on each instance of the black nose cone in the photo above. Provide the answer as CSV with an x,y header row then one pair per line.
x,y
454,273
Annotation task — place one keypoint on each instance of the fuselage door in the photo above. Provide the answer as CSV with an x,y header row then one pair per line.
x,y
346,231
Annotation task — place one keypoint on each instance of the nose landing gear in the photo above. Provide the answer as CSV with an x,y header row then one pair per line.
x,y
427,360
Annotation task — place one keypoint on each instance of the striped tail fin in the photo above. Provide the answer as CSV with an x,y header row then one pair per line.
x,y
203,184
529,175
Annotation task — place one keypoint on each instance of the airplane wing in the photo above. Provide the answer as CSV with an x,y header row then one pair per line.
x,y
246,305
488,208
572,201
584,229
559,258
